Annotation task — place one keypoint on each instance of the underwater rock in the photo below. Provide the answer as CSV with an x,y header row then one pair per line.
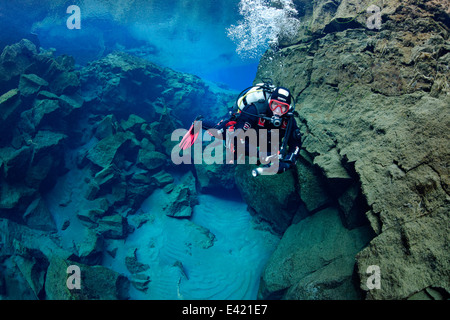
x,y
139,187
202,237
106,150
39,217
65,83
90,250
314,260
15,163
151,160
23,278
211,176
182,198
374,106
162,179
15,198
21,63
140,281
20,239
10,108
45,113
92,211
352,207
113,227
273,198
31,84
14,60
132,85
414,255
133,124
107,127
132,263
9,102
312,186
47,160
97,282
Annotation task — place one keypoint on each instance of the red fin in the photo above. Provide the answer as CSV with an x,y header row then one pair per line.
x,y
186,142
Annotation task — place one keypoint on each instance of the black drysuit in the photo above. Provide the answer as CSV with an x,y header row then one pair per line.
x,y
248,119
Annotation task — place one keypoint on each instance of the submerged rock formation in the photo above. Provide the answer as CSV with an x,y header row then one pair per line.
x,y
373,109
80,150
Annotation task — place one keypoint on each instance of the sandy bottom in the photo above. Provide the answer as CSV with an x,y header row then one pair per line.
x,y
219,253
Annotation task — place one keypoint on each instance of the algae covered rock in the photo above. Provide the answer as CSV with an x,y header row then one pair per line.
x,y
273,198
213,176
183,198
31,84
373,111
106,151
96,282
315,260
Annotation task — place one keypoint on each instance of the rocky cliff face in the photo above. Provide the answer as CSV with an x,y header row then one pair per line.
x,y
373,107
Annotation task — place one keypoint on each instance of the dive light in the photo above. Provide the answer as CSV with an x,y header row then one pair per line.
x,y
256,172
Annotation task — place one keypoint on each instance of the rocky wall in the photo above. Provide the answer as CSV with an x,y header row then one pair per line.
x,y
373,108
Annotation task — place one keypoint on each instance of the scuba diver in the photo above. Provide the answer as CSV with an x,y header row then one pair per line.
x,y
263,106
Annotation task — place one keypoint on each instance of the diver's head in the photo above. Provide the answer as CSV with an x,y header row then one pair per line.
x,y
280,104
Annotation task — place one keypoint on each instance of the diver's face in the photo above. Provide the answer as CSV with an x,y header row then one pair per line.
x,y
277,112
278,108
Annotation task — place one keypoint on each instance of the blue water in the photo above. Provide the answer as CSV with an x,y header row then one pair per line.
x,y
188,36
220,252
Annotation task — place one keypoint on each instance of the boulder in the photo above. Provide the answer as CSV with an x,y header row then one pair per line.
x,y
45,113
10,109
133,124
273,198
312,186
9,104
182,198
92,211
38,216
97,282
16,163
315,260
140,281
212,176
113,227
107,127
108,150
31,84
15,198
139,187
20,239
90,249
412,259
162,179
24,278
151,160
132,263
14,60
47,159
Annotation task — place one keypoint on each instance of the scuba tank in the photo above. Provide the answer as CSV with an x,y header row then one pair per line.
x,y
257,95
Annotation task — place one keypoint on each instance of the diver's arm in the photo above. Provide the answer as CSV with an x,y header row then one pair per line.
x,y
294,144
